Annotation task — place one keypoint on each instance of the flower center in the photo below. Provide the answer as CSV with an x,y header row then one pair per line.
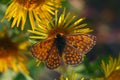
x,y
7,48
56,31
30,4
114,75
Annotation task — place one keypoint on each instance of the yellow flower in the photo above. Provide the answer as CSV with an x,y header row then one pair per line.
x,y
111,69
73,76
10,55
36,10
63,24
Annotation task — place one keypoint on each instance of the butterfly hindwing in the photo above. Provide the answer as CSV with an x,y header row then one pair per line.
x,y
71,55
41,49
53,60
82,42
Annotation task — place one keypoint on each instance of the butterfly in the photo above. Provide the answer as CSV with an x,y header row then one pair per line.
x,y
63,48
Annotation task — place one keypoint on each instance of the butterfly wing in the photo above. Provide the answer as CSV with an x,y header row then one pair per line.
x,y
53,59
41,49
71,55
82,42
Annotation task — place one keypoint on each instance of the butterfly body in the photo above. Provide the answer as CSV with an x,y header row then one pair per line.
x,y
60,43
63,48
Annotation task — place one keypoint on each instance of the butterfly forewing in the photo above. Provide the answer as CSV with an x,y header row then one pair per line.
x,y
82,42
53,60
71,55
41,49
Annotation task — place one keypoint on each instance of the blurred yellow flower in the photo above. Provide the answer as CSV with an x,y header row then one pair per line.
x,y
36,10
73,76
64,24
10,55
111,69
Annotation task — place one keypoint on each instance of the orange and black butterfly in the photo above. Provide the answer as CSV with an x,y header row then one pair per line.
x,y
63,48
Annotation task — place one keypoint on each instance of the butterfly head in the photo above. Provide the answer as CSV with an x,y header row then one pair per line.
x,y
59,35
